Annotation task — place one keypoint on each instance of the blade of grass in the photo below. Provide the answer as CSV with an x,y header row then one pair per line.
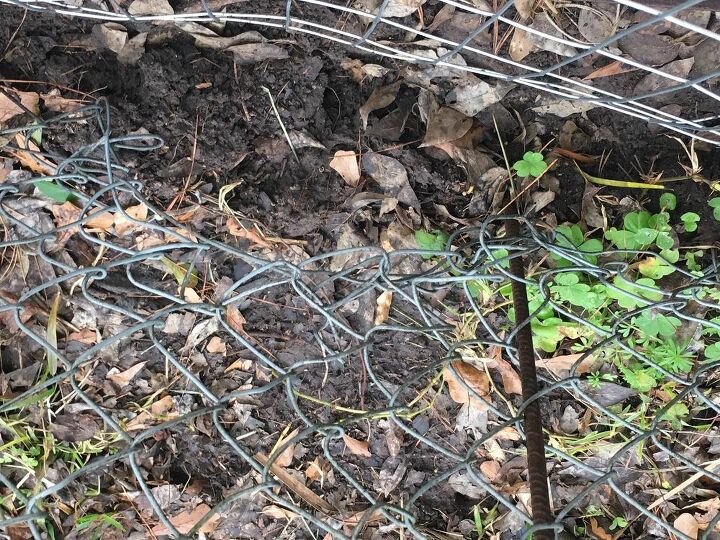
x,y
51,335
616,183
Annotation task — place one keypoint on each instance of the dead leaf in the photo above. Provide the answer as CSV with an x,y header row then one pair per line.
x,y
235,319
510,377
598,532
401,8
216,346
186,520
379,99
652,81
301,139
595,25
383,302
123,224
124,377
359,448
520,45
286,457
65,214
613,68
150,7
563,107
8,109
30,156
345,163
392,177
278,512
87,336
541,199
525,8
359,71
111,36
491,470
475,379
252,53
315,471
687,524
560,365
444,125
235,228
54,102
544,23
242,364
74,427
390,127
649,48
590,212
472,95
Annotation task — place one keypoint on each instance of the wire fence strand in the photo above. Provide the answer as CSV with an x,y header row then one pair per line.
x,y
138,270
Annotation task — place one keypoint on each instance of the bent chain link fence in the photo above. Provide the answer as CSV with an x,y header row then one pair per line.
x,y
386,27
295,345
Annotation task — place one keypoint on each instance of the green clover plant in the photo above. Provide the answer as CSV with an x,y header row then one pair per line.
x,y
532,164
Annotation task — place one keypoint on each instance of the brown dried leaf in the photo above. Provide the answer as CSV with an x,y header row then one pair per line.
x,y
561,365
285,459
446,125
35,162
474,378
88,336
8,109
278,512
123,225
65,214
359,448
216,346
235,228
314,471
359,71
382,312
241,364
613,68
124,377
379,99
235,319
510,377
162,406
687,524
185,521
54,102
598,532
491,470
525,8
345,163
520,45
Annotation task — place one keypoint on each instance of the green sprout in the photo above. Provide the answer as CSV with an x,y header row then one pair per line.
x,y
714,203
690,221
532,164
668,201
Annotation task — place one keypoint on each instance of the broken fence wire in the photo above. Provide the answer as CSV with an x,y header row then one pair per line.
x,y
127,284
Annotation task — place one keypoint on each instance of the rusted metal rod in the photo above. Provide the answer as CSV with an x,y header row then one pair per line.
x,y
532,420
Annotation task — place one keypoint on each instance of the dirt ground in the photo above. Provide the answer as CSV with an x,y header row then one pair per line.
x,y
219,128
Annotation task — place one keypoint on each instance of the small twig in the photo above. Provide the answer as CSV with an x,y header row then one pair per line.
x,y
681,486
282,126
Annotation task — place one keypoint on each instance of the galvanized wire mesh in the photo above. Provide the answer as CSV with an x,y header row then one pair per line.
x,y
304,344
388,29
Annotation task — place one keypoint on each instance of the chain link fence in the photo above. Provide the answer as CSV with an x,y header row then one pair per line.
x,y
248,359
666,86
173,356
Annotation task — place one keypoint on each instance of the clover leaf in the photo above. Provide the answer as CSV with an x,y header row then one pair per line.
x,y
714,203
690,221
532,164
668,201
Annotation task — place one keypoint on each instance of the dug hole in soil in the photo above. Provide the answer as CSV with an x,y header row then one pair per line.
x,y
219,128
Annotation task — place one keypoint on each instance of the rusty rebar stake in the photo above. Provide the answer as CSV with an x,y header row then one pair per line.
x,y
532,420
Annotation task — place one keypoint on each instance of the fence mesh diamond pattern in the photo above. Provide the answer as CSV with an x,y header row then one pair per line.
x,y
239,413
